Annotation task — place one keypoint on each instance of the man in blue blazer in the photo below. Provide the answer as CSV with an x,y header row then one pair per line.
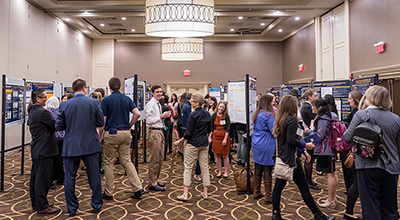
x,y
79,117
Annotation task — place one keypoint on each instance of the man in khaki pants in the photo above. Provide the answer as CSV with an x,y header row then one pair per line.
x,y
155,122
117,138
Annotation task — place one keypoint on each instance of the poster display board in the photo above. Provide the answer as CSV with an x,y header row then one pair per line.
x,y
14,102
67,89
340,90
362,84
224,93
236,102
252,100
301,88
129,84
216,92
285,89
57,90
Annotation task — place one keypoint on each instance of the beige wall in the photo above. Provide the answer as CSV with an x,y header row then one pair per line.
x,y
299,49
372,21
35,46
222,62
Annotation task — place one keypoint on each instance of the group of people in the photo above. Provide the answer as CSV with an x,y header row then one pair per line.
x,y
74,129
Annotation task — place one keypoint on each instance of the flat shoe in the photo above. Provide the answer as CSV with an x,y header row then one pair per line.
x,y
225,176
219,176
182,198
204,196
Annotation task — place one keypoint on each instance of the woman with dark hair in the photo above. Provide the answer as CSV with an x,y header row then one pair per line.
x,y
212,106
263,145
285,131
331,103
174,101
325,155
377,179
349,174
220,125
164,101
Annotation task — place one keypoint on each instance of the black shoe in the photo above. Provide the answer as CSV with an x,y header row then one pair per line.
x,y
161,184
345,216
143,191
321,216
95,211
156,188
101,171
212,161
83,168
107,197
314,186
276,216
137,194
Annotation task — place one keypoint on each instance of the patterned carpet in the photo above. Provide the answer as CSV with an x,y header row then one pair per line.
x,y
223,202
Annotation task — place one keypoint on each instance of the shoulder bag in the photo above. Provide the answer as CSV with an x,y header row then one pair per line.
x,y
281,169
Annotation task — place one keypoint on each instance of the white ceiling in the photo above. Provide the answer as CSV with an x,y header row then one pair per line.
x,y
87,17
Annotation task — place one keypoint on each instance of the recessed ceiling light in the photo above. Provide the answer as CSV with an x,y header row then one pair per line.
x,y
133,30
262,24
67,19
297,18
232,29
102,25
85,31
240,17
280,30
86,12
123,18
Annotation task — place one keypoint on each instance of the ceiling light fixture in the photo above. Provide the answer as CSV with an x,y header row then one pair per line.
x,y
232,29
67,19
297,18
102,25
123,18
179,18
262,24
240,17
133,30
280,30
85,31
182,49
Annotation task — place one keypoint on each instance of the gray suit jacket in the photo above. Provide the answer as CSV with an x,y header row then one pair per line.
x,y
390,125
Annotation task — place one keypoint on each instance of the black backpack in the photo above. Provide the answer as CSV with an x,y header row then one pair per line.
x,y
367,140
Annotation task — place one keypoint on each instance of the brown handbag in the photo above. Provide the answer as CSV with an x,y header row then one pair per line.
x,y
241,181
349,163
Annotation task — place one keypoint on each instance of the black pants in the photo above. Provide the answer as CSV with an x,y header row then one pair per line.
x,y
378,194
348,173
59,164
301,182
309,165
352,196
39,184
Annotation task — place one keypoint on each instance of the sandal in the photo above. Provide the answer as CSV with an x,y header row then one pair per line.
x,y
205,197
182,198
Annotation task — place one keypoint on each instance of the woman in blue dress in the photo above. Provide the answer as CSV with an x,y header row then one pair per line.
x,y
263,144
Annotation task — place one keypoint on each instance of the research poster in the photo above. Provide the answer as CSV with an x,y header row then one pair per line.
x,y
236,103
68,90
340,90
276,91
148,93
285,89
141,99
301,88
129,84
48,88
14,102
224,93
362,84
253,99
216,92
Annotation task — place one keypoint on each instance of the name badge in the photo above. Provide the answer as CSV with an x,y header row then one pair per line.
x,y
222,122
300,132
